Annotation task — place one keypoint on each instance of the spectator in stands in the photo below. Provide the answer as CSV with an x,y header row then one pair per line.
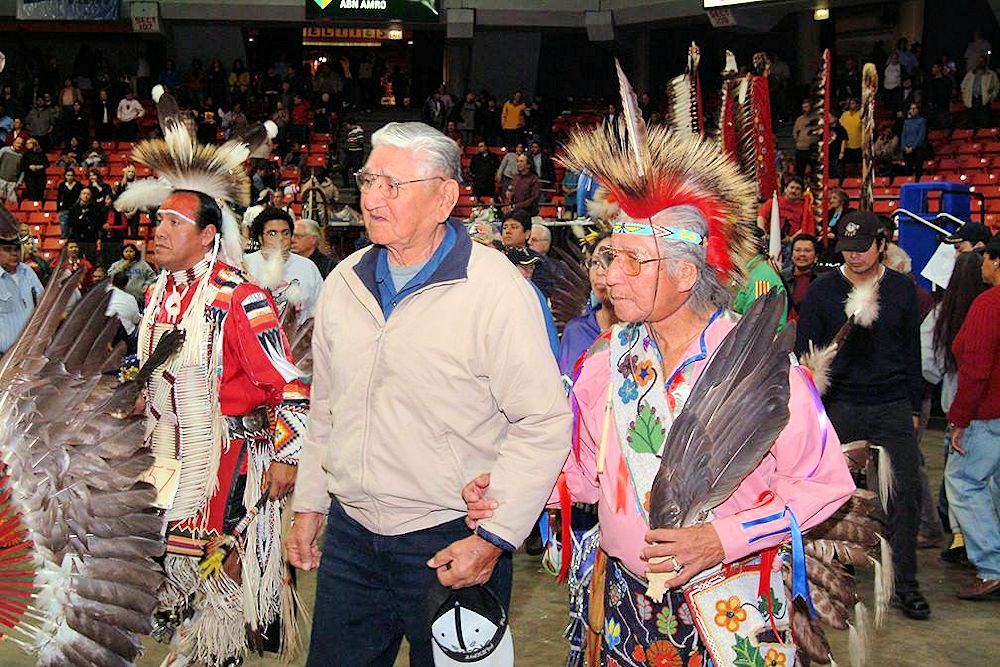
x,y
542,165
30,255
972,478
354,152
234,122
909,95
794,215
467,114
512,118
482,171
488,124
95,155
849,80
68,96
33,165
77,124
805,139
451,131
540,240
128,114
20,288
914,141
400,86
324,115
66,196
100,190
840,204
9,102
18,131
979,88
971,236
907,59
838,145
977,49
73,259
40,123
104,117
138,274
70,155
525,189
851,121
6,125
434,112
892,82
939,91
208,126
281,119
170,78
886,150
800,273
937,333
10,171
305,243
300,115
508,168
239,77
85,223
875,385
570,183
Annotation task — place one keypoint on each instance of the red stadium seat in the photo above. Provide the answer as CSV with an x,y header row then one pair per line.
x,y
987,133
961,134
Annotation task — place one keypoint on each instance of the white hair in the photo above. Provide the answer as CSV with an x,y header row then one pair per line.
x,y
708,292
544,232
311,225
436,153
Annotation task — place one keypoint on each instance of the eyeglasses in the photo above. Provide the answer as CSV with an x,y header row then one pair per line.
x,y
275,233
387,185
630,262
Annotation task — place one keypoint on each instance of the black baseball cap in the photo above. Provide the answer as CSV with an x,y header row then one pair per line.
x,y
973,232
857,231
522,256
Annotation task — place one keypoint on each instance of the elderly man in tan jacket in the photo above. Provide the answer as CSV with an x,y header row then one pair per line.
x,y
431,366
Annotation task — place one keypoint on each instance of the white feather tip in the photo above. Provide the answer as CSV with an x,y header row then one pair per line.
x,y
157,92
862,303
272,129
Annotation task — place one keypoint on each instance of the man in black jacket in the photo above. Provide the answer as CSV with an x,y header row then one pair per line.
x,y
875,386
542,164
482,172
305,242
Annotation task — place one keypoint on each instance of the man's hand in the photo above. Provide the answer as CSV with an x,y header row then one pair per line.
x,y
692,550
279,480
302,543
957,436
467,562
916,423
477,505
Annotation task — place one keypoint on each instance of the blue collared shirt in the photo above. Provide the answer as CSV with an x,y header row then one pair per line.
x,y
18,293
389,297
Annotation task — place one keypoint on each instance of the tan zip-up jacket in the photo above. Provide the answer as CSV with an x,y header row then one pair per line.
x,y
459,381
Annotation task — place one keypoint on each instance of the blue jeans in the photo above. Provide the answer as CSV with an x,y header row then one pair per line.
x,y
64,224
973,483
372,590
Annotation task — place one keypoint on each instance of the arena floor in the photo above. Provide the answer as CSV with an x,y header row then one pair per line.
x,y
958,633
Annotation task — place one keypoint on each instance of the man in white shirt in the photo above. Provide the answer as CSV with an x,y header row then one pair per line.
x,y
129,113
125,307
293,280
20,288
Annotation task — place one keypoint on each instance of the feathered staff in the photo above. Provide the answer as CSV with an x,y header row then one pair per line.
x,y
735,412
869,89
684,112
820,151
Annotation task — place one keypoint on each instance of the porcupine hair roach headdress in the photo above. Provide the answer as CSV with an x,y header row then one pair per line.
x,y
647,172
181,163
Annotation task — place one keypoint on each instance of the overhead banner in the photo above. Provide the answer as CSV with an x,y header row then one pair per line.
x,y
374,11
329,36
68,10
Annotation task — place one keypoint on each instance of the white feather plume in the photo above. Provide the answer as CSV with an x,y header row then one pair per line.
x,y
272,128
859,638
145,194
272,270
818,361
295,295
157,92
863,304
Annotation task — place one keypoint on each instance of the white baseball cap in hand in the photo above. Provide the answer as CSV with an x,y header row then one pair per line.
x,y
471,628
